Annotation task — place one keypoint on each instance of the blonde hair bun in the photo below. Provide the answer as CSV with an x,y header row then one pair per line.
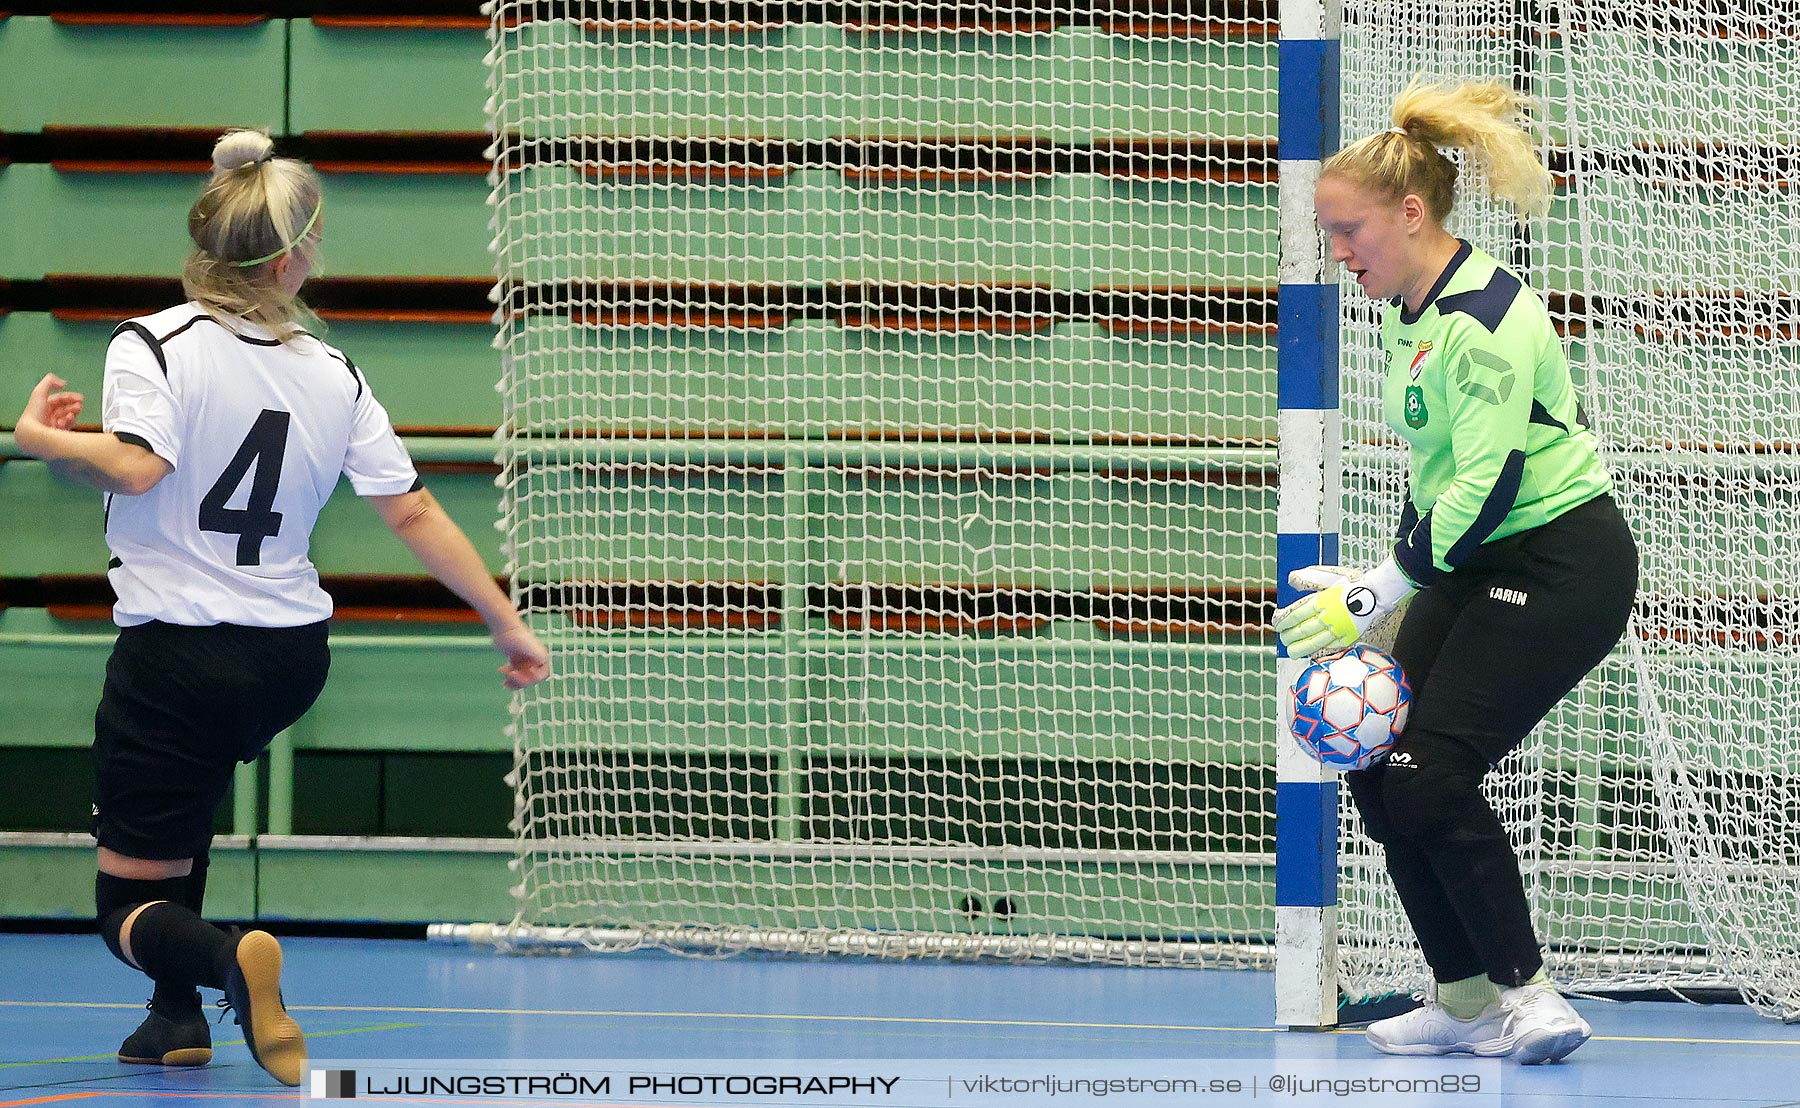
x,y
237,149
255,209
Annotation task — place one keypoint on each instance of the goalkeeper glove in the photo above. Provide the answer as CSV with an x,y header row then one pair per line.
x,y
1345,604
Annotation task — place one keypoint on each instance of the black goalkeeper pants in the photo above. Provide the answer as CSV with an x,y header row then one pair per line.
x,y
1489,650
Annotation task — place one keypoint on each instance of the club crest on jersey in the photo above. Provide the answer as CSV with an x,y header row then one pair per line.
x,y
1416,415
1418,363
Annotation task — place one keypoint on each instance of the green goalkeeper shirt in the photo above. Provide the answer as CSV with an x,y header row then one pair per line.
x,y
1478,386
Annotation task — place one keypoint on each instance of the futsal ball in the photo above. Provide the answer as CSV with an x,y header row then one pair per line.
x,y
1350,707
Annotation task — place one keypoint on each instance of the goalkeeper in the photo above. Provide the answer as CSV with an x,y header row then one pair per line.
x,y
1520,568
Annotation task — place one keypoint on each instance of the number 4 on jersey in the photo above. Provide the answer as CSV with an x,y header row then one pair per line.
x,y
263,448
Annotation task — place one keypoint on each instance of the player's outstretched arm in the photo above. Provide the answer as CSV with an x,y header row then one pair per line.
x,y
419,521
103,461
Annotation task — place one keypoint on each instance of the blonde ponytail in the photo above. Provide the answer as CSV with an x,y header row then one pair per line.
x,y
1490,122
256,208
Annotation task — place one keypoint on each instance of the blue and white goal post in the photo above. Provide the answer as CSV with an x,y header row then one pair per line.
x,y
1308,509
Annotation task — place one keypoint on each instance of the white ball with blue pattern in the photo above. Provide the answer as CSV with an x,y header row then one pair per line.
x,y
1350,707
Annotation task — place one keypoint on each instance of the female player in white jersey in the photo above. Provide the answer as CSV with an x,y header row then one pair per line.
x,y
1524,570
226,428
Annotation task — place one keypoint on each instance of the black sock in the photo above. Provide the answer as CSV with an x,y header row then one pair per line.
x,y
169,941
115,897
178,998
174,946
175,1000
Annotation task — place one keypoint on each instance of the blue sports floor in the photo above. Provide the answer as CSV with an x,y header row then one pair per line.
x,y
65,1005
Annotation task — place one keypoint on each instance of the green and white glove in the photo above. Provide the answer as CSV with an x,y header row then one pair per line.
x,y
1344,604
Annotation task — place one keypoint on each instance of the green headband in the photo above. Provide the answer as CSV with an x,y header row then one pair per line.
x,y
298,239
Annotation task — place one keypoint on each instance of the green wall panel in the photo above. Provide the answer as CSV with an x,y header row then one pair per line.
x,y
401,792
757,85
915,896
1077,231
426,374
673,697
135,76
798,230
680,524
95,223
1093,701
815,81
1077,83
888,526
33,344
406,225
1074,381
54,672
349,538
52,877
65,535
388,884
677,380
412,689
1653,378
936,697
1640,79
416,687
1071,231
1071,531
371,79
136,223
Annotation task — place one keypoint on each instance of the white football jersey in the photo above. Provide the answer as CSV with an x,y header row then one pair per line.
x,y
257,433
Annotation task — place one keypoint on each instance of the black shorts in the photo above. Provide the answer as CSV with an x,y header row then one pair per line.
x,y
1491,648
182,706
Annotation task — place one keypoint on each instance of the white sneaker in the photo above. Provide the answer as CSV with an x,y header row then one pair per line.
x,y
1542,1024
1431,1030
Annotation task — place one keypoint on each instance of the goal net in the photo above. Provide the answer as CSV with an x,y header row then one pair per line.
x,y
1657,812
889,451
889,455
